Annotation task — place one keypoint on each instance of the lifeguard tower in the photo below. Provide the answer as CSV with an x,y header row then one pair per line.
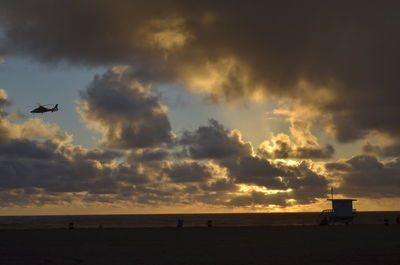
x,y
342,212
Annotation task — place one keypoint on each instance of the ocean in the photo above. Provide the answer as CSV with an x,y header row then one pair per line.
x,y
190,220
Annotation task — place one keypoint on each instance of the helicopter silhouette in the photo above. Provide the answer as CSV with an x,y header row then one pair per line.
x,y
42,109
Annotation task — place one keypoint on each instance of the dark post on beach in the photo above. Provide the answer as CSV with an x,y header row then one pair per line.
x,y
180,223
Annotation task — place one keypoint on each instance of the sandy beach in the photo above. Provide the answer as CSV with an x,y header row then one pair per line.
x,y
353,244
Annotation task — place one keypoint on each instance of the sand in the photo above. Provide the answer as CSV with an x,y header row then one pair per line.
x,y
353,244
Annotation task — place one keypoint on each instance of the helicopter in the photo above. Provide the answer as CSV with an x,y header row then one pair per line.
x,y
42,109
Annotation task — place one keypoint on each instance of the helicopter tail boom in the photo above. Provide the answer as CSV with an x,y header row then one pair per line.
x,y
55,108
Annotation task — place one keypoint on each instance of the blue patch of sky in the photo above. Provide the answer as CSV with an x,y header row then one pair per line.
x,y
28,83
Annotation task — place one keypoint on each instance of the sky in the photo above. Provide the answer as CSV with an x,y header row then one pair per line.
x,y
198,106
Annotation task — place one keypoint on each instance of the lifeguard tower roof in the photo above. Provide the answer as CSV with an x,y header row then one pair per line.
x,y
341,199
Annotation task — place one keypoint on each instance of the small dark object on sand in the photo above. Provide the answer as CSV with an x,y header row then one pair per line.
x,y
71,225
386,222
209,223
324,221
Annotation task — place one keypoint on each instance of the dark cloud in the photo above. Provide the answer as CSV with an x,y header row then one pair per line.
x,y
366,176
44,28
58,174
300,182
220,185
325,152
147,155
125,111
214,142
306,184
255,170
337,166
55,166
282,148
389,150
31,196
228,150
259,198
93,154
348,48
4,102
27,149
189,172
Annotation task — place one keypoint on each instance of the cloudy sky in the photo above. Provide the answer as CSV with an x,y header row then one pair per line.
x,y
198,106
